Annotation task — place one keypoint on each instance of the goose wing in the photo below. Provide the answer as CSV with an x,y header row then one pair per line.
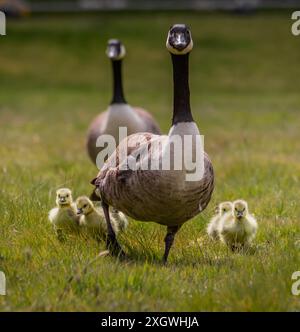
x,y
94,132
152,195
150,124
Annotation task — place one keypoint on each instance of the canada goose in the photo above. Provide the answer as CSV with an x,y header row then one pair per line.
x,y
92,219
162,196
238,228
119,113
213,226
63,217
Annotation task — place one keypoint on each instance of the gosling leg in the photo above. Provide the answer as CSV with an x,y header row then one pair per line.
x,y
111,243
169,239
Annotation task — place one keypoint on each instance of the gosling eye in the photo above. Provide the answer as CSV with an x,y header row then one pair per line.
x,y
224,210
58,195
85,205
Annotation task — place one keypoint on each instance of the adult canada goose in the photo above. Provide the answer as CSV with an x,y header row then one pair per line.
x,y
163,196
119,113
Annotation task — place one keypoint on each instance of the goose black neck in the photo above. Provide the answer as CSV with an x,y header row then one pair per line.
x,y
118,95
181,98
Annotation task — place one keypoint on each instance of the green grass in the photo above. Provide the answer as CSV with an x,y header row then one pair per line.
x,y
54,78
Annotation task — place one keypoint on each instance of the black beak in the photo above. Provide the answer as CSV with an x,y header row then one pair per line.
x,y
112,52
79,211
180,46
180,42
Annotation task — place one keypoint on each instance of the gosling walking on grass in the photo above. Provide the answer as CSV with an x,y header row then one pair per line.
x,y
213,226
63,217
238,228
92,219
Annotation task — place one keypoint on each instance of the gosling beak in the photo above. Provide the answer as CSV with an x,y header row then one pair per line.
x,y
239,215
79,211
62,200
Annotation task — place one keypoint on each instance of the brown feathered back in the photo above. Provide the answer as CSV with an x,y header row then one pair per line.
x,y
147,195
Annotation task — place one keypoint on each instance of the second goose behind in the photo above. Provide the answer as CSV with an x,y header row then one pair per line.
x,y
119,113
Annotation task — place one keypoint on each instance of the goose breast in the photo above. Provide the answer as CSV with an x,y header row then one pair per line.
x,y
151,125
146,195
106,124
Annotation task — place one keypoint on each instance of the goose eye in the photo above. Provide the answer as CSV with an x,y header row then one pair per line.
x,y
85,205
67,195
58,195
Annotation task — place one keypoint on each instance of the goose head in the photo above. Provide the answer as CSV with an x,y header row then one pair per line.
x,y
240,209
64,197
115,50
179,40
84,205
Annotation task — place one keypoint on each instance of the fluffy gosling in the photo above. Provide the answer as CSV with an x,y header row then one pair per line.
x,y
213,226
238,228
120,218
92,219
63,217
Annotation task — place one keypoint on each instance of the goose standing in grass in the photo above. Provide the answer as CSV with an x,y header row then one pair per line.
x,y
162,196
119,113
63,217
92,220
213,226
238,228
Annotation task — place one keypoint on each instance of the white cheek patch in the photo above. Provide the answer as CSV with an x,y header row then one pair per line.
x,y
123,52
